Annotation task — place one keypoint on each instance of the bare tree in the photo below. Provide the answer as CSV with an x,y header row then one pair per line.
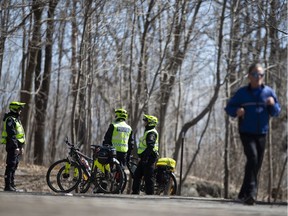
x,y
4,16
33,50
179,49
212,101
43,84
232,82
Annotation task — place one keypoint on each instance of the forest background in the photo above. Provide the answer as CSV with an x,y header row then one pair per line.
x,y
74,61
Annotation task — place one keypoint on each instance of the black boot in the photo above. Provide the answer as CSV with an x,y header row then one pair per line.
x,y
12,180
9,188
13,186
8,185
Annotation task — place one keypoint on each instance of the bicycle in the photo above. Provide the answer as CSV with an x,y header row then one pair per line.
x,y
164,177
78,171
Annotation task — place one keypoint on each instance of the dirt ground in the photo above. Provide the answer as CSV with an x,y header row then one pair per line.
x,y
30,178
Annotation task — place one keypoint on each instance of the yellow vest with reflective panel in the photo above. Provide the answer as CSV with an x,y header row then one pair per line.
x,y
120,136
20,134
143,144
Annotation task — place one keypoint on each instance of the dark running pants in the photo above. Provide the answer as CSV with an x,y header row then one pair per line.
x,y
254,148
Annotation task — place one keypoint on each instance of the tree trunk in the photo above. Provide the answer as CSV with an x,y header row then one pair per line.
x,y
80,98
73,68
174,63
56,126
27,79
141,91
232,81
212,101
274,55
4,15
41,98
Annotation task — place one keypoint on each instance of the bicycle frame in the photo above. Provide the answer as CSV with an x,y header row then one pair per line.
x,y
86,171
75,156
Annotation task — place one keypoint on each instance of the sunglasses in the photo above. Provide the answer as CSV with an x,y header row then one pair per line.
x,y
257,75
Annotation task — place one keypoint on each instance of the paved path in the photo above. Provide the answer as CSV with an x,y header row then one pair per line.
x,y
32,204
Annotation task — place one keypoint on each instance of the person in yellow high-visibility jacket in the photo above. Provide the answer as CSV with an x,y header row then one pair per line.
x,y
120,136
13,136
148,153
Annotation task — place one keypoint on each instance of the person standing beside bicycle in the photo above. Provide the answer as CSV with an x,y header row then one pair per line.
x,y
13,137
120,136
148,154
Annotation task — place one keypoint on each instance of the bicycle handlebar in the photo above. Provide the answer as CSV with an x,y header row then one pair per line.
x,y
72,146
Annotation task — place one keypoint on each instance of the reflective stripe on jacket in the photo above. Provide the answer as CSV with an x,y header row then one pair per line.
x,y
143,144
120,136
20,134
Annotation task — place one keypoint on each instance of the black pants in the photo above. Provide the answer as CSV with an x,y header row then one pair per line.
x,y
147,170
12,162
254,148
121,157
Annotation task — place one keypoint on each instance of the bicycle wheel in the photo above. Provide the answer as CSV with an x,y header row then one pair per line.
x,y
83,186
110,181
63,176
124,181
167,187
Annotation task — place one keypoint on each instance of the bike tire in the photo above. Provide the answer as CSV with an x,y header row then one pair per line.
x,y
82,187
124,182
173,187
170,188
56,181
110,182
85,185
